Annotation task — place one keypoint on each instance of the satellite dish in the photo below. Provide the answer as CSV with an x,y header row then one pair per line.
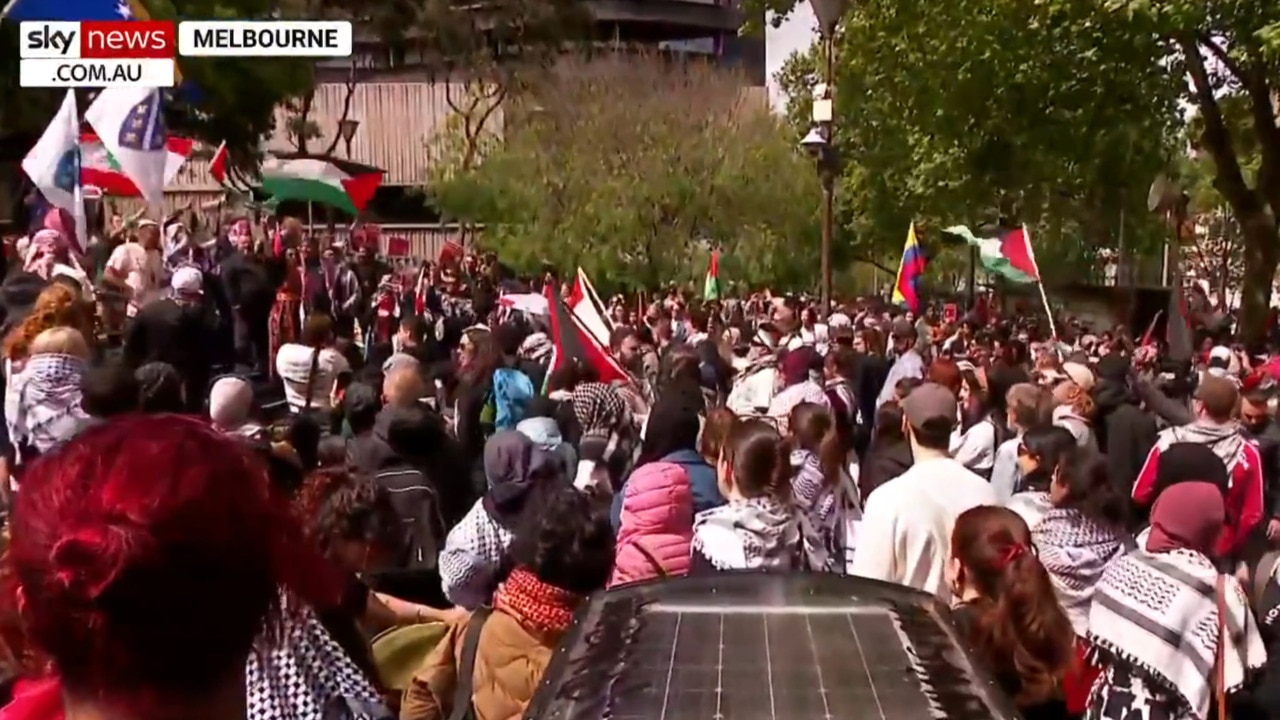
x,y
1160,196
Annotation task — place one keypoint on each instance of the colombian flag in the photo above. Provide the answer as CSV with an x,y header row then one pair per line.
x,y
910,270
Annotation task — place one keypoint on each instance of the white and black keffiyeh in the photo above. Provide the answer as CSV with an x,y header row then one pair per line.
x,y
471,558
1075,550
537,347
305,675
44,409
1157,614
599,410
754,534
784,402
825,513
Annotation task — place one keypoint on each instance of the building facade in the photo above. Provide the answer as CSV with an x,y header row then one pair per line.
x,y
707,28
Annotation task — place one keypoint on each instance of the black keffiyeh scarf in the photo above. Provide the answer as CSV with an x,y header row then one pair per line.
x,y
305,675
599,409
758,533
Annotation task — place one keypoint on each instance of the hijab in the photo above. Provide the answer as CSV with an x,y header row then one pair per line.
x,y
513,468
796,365
1187,516
43,252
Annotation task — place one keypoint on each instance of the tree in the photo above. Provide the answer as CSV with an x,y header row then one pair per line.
x,y
1231,52
1215,251
224,99
995,111
636,167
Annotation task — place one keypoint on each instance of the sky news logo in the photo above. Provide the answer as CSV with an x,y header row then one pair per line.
x,y
152,39
142,52
90,73
108,40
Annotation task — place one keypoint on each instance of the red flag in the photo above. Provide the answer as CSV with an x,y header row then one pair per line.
x,y
218,164
573,344
1015,246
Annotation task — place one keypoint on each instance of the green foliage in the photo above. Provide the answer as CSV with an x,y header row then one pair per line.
x,y
1230,51
635,168
235,98
1195,172
1057,115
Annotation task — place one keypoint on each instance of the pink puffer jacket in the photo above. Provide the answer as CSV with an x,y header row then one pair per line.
x,y
657,524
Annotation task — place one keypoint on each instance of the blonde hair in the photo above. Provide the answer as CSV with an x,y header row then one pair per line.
x,y
64,340
1070,394
56,306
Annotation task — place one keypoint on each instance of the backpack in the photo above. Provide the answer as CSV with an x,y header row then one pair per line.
x,y
512,391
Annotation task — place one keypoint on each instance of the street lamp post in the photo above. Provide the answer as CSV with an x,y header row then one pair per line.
x,y
828,13
347,131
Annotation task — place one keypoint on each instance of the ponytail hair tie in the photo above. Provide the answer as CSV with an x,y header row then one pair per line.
x,y
1011,552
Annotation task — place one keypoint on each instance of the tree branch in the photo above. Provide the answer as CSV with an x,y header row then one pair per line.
x,y
1216,136
346,110
873,263
1222,56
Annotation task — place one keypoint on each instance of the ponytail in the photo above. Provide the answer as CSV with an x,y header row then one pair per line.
x,y
1019,629
760,460
1027,627
780,481
814,428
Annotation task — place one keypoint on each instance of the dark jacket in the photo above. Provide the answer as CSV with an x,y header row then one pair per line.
x,y
868,379
1125,433
248,283
1267,438
182,335
885,461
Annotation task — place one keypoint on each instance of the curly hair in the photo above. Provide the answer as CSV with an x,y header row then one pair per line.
x,y
1086,477
569,543
340,505
56,306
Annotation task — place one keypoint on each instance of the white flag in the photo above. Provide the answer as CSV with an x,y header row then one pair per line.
x,y
130,123
54,162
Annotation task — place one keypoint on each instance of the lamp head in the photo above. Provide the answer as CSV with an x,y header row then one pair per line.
x,y
347,129
814,142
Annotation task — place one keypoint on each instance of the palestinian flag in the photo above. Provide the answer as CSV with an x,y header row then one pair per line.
x,y
585,304
574,344
711,285
100,169
218,164
1008,255
345,185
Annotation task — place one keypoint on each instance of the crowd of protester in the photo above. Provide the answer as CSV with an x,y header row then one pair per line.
x,y
182,544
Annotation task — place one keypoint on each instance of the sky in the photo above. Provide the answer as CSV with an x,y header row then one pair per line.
x,y
796,34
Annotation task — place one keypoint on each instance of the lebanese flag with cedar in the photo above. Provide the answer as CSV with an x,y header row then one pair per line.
x,y
100,169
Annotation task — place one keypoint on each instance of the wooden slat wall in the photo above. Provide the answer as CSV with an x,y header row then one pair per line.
x,y
398,121
425,240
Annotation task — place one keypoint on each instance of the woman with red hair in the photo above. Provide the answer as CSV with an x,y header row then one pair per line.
x,y
1008,612
146,559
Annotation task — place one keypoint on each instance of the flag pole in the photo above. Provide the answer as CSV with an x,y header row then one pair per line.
x,y
8,8
1044,297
